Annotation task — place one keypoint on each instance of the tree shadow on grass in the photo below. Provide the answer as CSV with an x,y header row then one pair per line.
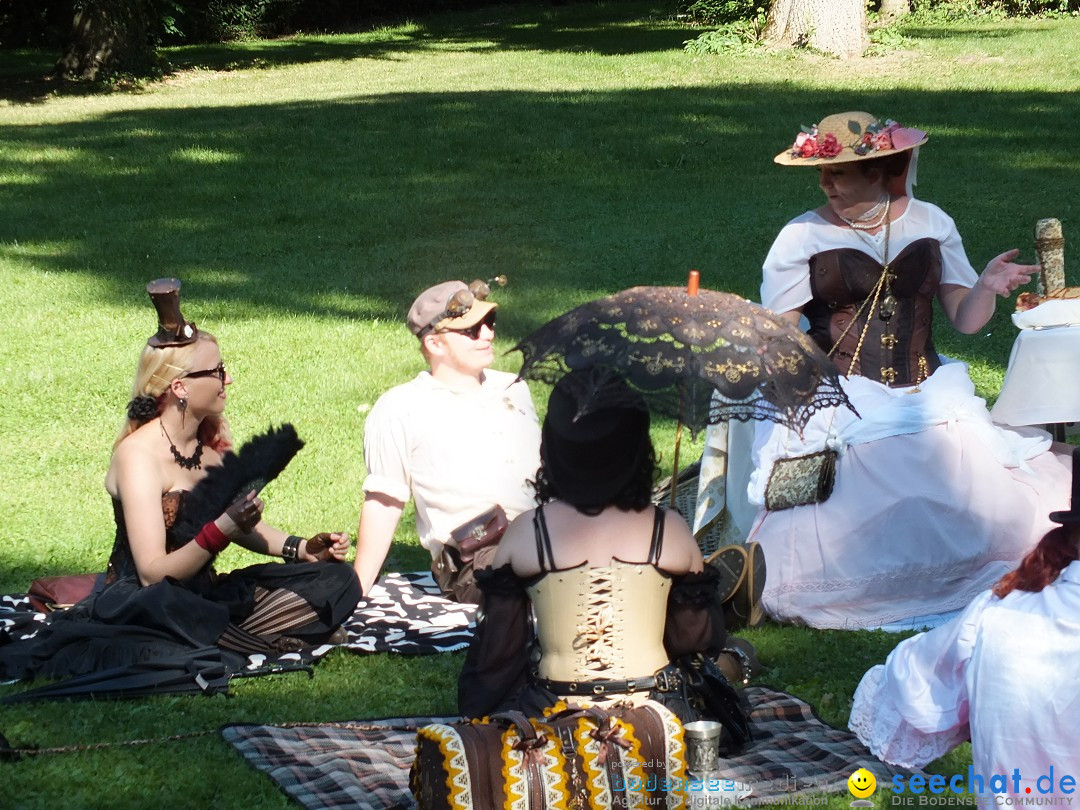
x,y
348,208
962,31
608,29
605,38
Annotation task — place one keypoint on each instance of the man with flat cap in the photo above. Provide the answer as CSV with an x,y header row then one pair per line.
x,y
459,439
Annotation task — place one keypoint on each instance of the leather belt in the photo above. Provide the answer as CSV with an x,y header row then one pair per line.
x,y
668,679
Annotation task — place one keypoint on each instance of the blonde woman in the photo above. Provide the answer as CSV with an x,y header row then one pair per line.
x,y
170,464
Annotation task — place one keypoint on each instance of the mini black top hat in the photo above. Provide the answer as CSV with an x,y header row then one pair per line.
x,y
173,330
1073,515
591,454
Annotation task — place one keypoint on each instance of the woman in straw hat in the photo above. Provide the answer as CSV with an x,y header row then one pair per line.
x,y
1002,675
617,587
932,503
174,487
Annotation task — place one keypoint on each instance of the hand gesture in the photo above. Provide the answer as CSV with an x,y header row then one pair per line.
x,y
325,546
1002,277
244,513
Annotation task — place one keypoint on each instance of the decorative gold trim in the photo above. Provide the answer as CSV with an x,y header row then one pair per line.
x,y
458,783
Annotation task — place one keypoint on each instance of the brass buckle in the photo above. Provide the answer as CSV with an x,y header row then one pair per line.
x,y
666,681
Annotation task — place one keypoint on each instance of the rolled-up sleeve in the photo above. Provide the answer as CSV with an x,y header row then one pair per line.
x,y
386,450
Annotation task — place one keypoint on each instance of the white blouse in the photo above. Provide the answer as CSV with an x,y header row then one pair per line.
x,y
1003,673
786,278
456,453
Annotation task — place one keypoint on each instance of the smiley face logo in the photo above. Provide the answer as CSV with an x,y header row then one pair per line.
x,y
862,784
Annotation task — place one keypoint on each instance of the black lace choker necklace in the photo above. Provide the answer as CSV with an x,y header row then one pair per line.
x,y
192,462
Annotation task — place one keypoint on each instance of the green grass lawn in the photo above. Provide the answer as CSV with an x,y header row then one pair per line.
x,y
306,189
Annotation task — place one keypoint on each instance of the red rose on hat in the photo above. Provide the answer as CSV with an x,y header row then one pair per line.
x,y
829,146
883,140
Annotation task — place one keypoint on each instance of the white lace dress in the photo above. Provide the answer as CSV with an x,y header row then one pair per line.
x,y
1002,674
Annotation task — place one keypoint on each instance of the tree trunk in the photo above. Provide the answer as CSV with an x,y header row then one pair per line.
x,y
893,10
109,36
833,26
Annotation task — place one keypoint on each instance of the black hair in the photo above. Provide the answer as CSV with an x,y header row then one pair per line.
x,y
636,495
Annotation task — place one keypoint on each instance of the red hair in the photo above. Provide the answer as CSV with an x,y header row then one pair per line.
x,y
1042,564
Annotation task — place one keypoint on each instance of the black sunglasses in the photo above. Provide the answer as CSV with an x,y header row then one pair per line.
x,y
473,332
217,371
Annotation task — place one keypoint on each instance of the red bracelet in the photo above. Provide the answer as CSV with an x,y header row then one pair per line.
x,y
212,538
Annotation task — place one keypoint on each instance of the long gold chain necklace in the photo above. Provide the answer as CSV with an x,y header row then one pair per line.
x,y
888,303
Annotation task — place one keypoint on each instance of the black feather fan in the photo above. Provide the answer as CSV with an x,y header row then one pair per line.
x,y
256,464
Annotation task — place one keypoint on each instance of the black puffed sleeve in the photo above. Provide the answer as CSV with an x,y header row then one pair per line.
x,y
496,667
695,618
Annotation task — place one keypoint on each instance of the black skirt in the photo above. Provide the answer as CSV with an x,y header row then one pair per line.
x,y
127,623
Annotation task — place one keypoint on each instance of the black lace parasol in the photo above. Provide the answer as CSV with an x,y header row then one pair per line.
x,y
679,347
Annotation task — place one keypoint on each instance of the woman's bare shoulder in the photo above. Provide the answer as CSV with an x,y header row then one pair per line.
x,y
681,552
518,534
134,463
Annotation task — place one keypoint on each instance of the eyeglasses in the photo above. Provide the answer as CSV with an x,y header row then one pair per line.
x,y
217,371
473,332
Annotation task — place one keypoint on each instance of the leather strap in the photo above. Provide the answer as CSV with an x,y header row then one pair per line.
x,y
544,554
667,679
657,536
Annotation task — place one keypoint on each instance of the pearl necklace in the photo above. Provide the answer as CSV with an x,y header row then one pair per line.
x,y
872,219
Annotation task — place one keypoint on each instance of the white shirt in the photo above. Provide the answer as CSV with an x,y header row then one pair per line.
x,y
1004,671
455,453
786,273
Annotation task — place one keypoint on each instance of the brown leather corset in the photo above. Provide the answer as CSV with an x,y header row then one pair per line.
x,y
898,349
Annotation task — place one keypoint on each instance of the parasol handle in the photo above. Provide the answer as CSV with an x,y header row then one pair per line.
x,y
692,282
675,472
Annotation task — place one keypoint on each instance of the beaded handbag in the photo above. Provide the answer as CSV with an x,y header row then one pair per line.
x,y
801,480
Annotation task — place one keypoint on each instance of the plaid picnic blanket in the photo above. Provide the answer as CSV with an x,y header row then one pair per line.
x,y
365,764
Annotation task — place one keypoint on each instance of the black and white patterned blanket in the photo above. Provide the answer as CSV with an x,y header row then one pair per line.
x,y
406,614
403,614
365,764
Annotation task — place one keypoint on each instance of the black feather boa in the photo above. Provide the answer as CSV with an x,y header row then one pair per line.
x,y
257,463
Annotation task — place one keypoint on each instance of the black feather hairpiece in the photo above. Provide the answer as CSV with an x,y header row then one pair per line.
x,y
253,466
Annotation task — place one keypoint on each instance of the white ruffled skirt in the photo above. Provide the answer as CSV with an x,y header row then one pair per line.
x,y
932,505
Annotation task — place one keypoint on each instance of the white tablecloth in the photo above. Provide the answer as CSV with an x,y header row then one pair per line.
x,y
1042,384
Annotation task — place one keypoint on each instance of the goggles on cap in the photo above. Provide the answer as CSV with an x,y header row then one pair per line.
x,y
461,302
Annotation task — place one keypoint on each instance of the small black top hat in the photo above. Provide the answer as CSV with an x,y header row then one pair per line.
x,y
1073,515
173,330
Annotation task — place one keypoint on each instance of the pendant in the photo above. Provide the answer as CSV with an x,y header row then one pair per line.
x,y
888,307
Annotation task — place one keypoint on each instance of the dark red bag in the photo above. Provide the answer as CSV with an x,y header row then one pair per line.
x,y
482,531
55,593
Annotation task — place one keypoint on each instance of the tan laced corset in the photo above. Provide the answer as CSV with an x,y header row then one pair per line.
x,y
604,623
